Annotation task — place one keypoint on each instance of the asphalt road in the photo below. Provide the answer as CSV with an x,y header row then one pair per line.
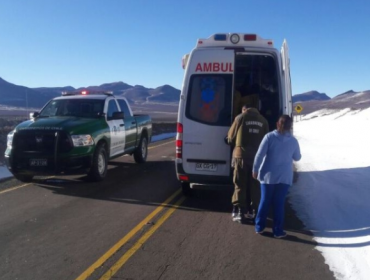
x,y
137,225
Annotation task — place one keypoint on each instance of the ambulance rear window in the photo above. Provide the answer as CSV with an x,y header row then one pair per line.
x,y
209,99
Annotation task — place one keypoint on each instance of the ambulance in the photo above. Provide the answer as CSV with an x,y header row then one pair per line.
x,y
222,73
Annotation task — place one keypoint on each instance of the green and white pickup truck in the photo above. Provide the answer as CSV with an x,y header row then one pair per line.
x,y
77,133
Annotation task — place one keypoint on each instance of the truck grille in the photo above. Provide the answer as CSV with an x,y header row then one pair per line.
x,y
41,142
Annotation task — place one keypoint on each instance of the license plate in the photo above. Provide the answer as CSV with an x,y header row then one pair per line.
x,y
206,167
38,162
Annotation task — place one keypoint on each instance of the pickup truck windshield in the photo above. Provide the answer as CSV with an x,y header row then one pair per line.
x,y
83,108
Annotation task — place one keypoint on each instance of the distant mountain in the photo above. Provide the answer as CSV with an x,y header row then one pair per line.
x,y
164,93
117,87
310,95
20,96
137,94
53,91
355,98
346,94
348,99
140,97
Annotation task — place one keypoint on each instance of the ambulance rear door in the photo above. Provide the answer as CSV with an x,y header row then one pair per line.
x,y
287,94
207,112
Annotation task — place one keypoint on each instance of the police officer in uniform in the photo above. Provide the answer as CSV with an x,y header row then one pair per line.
x,y
246,134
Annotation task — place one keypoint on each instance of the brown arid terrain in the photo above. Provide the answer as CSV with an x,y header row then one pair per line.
x,y
8,121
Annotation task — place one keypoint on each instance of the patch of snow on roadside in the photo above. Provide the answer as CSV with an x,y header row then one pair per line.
x,y
332,193
4,173
318,113
163,136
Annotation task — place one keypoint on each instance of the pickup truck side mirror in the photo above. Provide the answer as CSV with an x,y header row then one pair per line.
x,y
34,115
117,116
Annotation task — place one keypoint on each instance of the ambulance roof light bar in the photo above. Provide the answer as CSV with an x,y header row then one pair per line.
x,y
235,40
86,92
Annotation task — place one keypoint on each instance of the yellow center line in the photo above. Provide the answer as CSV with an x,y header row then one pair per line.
x,y
22,186
125,239
152,147
14,188
113,270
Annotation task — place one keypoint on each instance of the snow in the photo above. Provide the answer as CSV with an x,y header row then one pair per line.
x,y
363,101
362,93
163,136
332,194
4,172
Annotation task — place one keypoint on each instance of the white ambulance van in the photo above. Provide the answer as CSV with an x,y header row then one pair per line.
x,y
223,73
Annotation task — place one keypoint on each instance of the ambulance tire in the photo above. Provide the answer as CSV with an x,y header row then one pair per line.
x,y
23,178
99,166
141,151
186,190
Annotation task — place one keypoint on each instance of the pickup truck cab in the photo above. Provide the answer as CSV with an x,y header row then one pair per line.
x,y
77,133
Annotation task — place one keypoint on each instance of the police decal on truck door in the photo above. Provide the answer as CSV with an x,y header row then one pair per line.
x,y
117,130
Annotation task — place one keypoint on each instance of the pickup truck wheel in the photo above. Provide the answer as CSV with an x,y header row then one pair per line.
x,y
186,190
141,152
23,178
99,166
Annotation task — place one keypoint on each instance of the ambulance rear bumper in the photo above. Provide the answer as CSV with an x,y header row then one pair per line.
x,y
202,179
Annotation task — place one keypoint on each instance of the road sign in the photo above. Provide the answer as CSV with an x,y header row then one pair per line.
x,y
298,108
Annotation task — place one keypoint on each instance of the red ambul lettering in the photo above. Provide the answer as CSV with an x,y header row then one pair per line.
x,y
214,67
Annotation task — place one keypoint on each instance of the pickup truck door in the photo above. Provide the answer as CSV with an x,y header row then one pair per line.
x,y
288,87
117,130
130,126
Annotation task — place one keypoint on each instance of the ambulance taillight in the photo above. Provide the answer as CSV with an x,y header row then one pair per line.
x,y
180,130
183,178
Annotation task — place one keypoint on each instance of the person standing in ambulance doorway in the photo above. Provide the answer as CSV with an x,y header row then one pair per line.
x,y
246,94
273,167
246,134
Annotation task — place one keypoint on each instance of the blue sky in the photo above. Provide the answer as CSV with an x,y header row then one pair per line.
x,y
90,42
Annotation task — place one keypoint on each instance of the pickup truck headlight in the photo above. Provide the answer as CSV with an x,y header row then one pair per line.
x,y
82,140
9,139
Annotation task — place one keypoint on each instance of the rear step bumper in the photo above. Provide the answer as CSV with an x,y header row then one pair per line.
x,y
204,179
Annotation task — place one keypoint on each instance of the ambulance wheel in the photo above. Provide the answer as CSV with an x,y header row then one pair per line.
x,y
23,178
186,190
141,151
99,166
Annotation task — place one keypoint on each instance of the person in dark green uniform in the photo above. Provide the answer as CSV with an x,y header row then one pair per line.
x,y
246,134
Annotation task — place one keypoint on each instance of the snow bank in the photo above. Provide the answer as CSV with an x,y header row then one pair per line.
x,y
332,195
